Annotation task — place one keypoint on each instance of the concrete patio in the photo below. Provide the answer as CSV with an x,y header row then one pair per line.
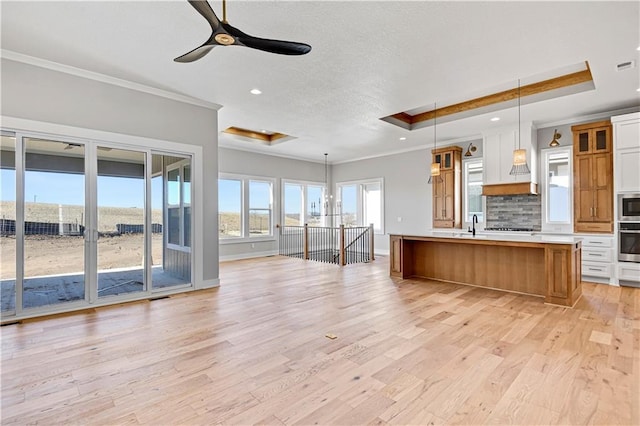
x,y
55,289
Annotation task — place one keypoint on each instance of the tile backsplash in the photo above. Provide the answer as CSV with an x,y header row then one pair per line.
x,y
514,211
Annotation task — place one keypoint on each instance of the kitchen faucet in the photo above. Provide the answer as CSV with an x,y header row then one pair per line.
x,y
474,220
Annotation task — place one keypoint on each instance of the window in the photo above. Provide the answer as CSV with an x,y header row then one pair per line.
x,y
230,208
557,190
303,203
179,204
361,203
245,207
259,208
473,190
348,196
314,212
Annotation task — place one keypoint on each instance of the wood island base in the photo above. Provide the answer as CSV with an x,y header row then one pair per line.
x,y
540,268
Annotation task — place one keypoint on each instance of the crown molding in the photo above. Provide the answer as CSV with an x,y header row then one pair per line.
x,y
251,150
103,78
587,118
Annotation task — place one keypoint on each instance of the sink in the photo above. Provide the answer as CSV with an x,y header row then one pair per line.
x,y
471,236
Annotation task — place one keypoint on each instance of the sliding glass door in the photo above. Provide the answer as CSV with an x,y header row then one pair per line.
x,y
54,223
8,246
171,204
83,222
120,221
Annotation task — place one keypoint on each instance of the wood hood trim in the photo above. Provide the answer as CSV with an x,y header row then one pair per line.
x,y
516,188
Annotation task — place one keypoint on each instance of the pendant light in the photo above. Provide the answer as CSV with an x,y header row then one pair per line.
x,y
435,167
328,198
520,166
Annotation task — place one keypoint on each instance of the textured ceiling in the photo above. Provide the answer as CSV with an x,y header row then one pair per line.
x,y
369,60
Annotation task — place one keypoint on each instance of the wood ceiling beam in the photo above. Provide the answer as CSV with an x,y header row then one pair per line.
x,y
500,97
269,138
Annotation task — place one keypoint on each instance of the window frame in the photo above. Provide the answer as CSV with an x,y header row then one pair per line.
x,y
556,226
242,224
465,192
304,184
245,208
180,166
360,201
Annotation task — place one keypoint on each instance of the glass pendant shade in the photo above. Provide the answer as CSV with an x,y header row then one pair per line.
x,y
435,173
435,169
520,166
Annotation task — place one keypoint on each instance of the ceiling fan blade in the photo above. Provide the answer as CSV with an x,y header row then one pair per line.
x,y
204,9
227,35
275,46
196,53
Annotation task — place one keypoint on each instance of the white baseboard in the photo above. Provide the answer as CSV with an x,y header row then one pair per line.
x,y
598,280
381,252
248,255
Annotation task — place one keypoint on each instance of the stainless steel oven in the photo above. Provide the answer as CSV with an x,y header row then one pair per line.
x,y
629,242
629,207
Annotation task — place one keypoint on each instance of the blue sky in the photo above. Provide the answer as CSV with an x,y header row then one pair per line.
x,y
65,188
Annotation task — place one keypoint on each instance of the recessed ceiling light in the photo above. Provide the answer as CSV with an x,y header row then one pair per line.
x,y
256,91
638,48
638,89
495,119
403,138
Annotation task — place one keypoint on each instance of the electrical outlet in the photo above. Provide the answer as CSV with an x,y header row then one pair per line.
x,y
253,245
399,219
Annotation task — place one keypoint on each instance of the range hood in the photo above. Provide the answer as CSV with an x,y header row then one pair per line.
x,y
498,146
514,188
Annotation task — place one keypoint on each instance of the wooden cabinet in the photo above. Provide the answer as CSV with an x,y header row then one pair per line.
x,y
395,255
447,190
543,268
593,177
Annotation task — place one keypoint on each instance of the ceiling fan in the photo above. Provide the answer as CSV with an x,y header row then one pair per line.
x,y
223,34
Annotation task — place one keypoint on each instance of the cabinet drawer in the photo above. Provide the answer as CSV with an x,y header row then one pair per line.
x,y
593,269
597,242
593,254
629,271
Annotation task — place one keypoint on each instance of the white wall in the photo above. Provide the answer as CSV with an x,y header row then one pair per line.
x,y
406,191
39,94
253,164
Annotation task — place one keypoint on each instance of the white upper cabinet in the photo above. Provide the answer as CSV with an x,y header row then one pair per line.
x,y
498,146
626,145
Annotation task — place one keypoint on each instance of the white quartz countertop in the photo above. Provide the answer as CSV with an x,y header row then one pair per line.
x,y
499,236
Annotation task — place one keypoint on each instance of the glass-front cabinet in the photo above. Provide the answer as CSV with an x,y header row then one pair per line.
x,y
592,138
593,177
447,189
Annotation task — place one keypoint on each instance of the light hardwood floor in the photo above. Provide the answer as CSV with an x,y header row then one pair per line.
x,y
255,351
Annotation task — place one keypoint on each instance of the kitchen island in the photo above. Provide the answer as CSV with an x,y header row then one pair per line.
x,y
538,265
